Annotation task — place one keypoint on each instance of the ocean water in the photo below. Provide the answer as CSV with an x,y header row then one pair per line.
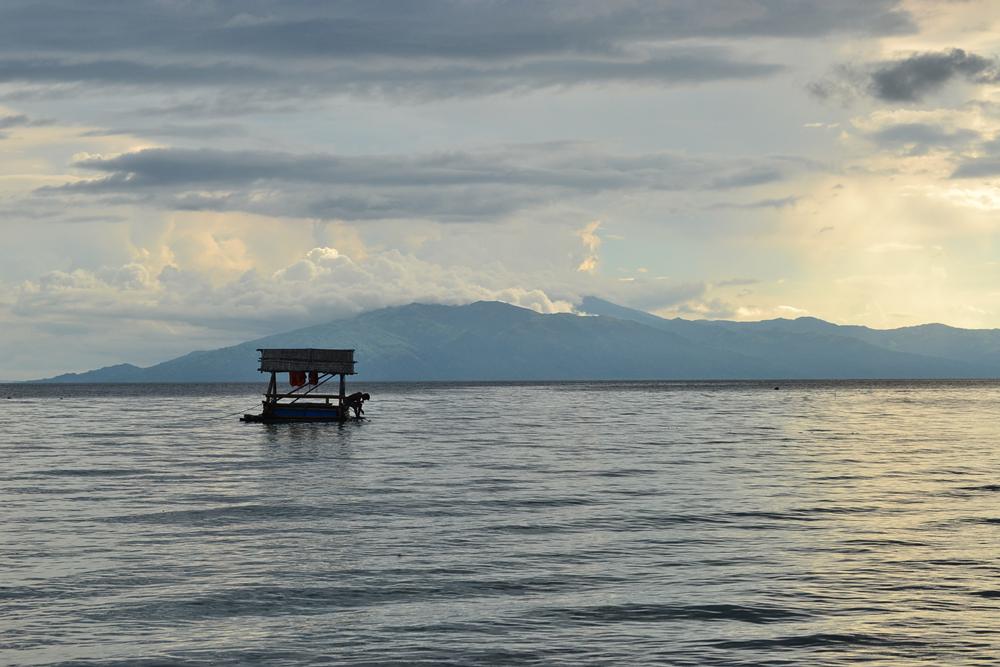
x,y
569,523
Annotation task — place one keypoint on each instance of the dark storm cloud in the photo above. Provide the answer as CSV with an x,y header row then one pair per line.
x,y
483,185
420,49
907,79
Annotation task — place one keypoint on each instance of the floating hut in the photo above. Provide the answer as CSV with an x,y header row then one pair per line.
x,y
308,369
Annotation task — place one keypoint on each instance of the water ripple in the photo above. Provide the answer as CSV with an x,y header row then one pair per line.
x,y
542,524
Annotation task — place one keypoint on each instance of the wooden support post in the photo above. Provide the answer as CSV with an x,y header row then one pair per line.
x,y
271,395
340,399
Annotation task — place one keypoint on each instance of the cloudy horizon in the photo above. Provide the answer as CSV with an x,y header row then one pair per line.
x,y
182,176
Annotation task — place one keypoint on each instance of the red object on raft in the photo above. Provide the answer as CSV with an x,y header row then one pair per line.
x,y
296,378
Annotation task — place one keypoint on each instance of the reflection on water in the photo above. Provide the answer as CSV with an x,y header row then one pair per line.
x,y
722,523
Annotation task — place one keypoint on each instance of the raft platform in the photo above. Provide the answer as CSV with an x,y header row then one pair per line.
x,y
308,370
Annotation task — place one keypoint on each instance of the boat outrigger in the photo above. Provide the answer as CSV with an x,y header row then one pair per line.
x,y
308,369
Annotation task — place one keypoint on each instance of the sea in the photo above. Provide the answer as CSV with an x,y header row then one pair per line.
x,y
610,523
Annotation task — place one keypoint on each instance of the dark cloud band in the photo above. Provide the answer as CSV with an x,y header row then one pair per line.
x,y
484,185
437,48
439,29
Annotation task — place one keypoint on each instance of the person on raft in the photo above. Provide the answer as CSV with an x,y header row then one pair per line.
x,y
355,401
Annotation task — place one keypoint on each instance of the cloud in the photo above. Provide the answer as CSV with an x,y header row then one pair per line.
x,y
415,81
932,140
591,243
893,246
323,284
13,120
487,184
703,309
919,138
434,49
566,165
20,120
774,202
125,72
498,30
738,282
443,29
195,131
907,79
651,294
977,168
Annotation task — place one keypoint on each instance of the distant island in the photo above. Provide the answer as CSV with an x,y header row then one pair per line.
x,y
490,340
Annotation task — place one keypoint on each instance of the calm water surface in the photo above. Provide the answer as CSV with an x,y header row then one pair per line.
x,y
667,523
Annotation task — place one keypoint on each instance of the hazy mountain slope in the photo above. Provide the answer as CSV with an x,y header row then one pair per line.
x,y
116,373
978,347
811,348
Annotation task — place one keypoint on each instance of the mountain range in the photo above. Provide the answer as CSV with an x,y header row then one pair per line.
x,y
490,340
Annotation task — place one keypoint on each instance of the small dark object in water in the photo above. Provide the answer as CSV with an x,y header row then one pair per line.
x,y
777,388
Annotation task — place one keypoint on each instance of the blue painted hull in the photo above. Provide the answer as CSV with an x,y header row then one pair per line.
x,y
301,413
297,413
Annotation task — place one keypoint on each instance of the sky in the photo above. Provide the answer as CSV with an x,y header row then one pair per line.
x,y
185,175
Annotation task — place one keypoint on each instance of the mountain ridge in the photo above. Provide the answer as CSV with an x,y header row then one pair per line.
x,y
490,340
